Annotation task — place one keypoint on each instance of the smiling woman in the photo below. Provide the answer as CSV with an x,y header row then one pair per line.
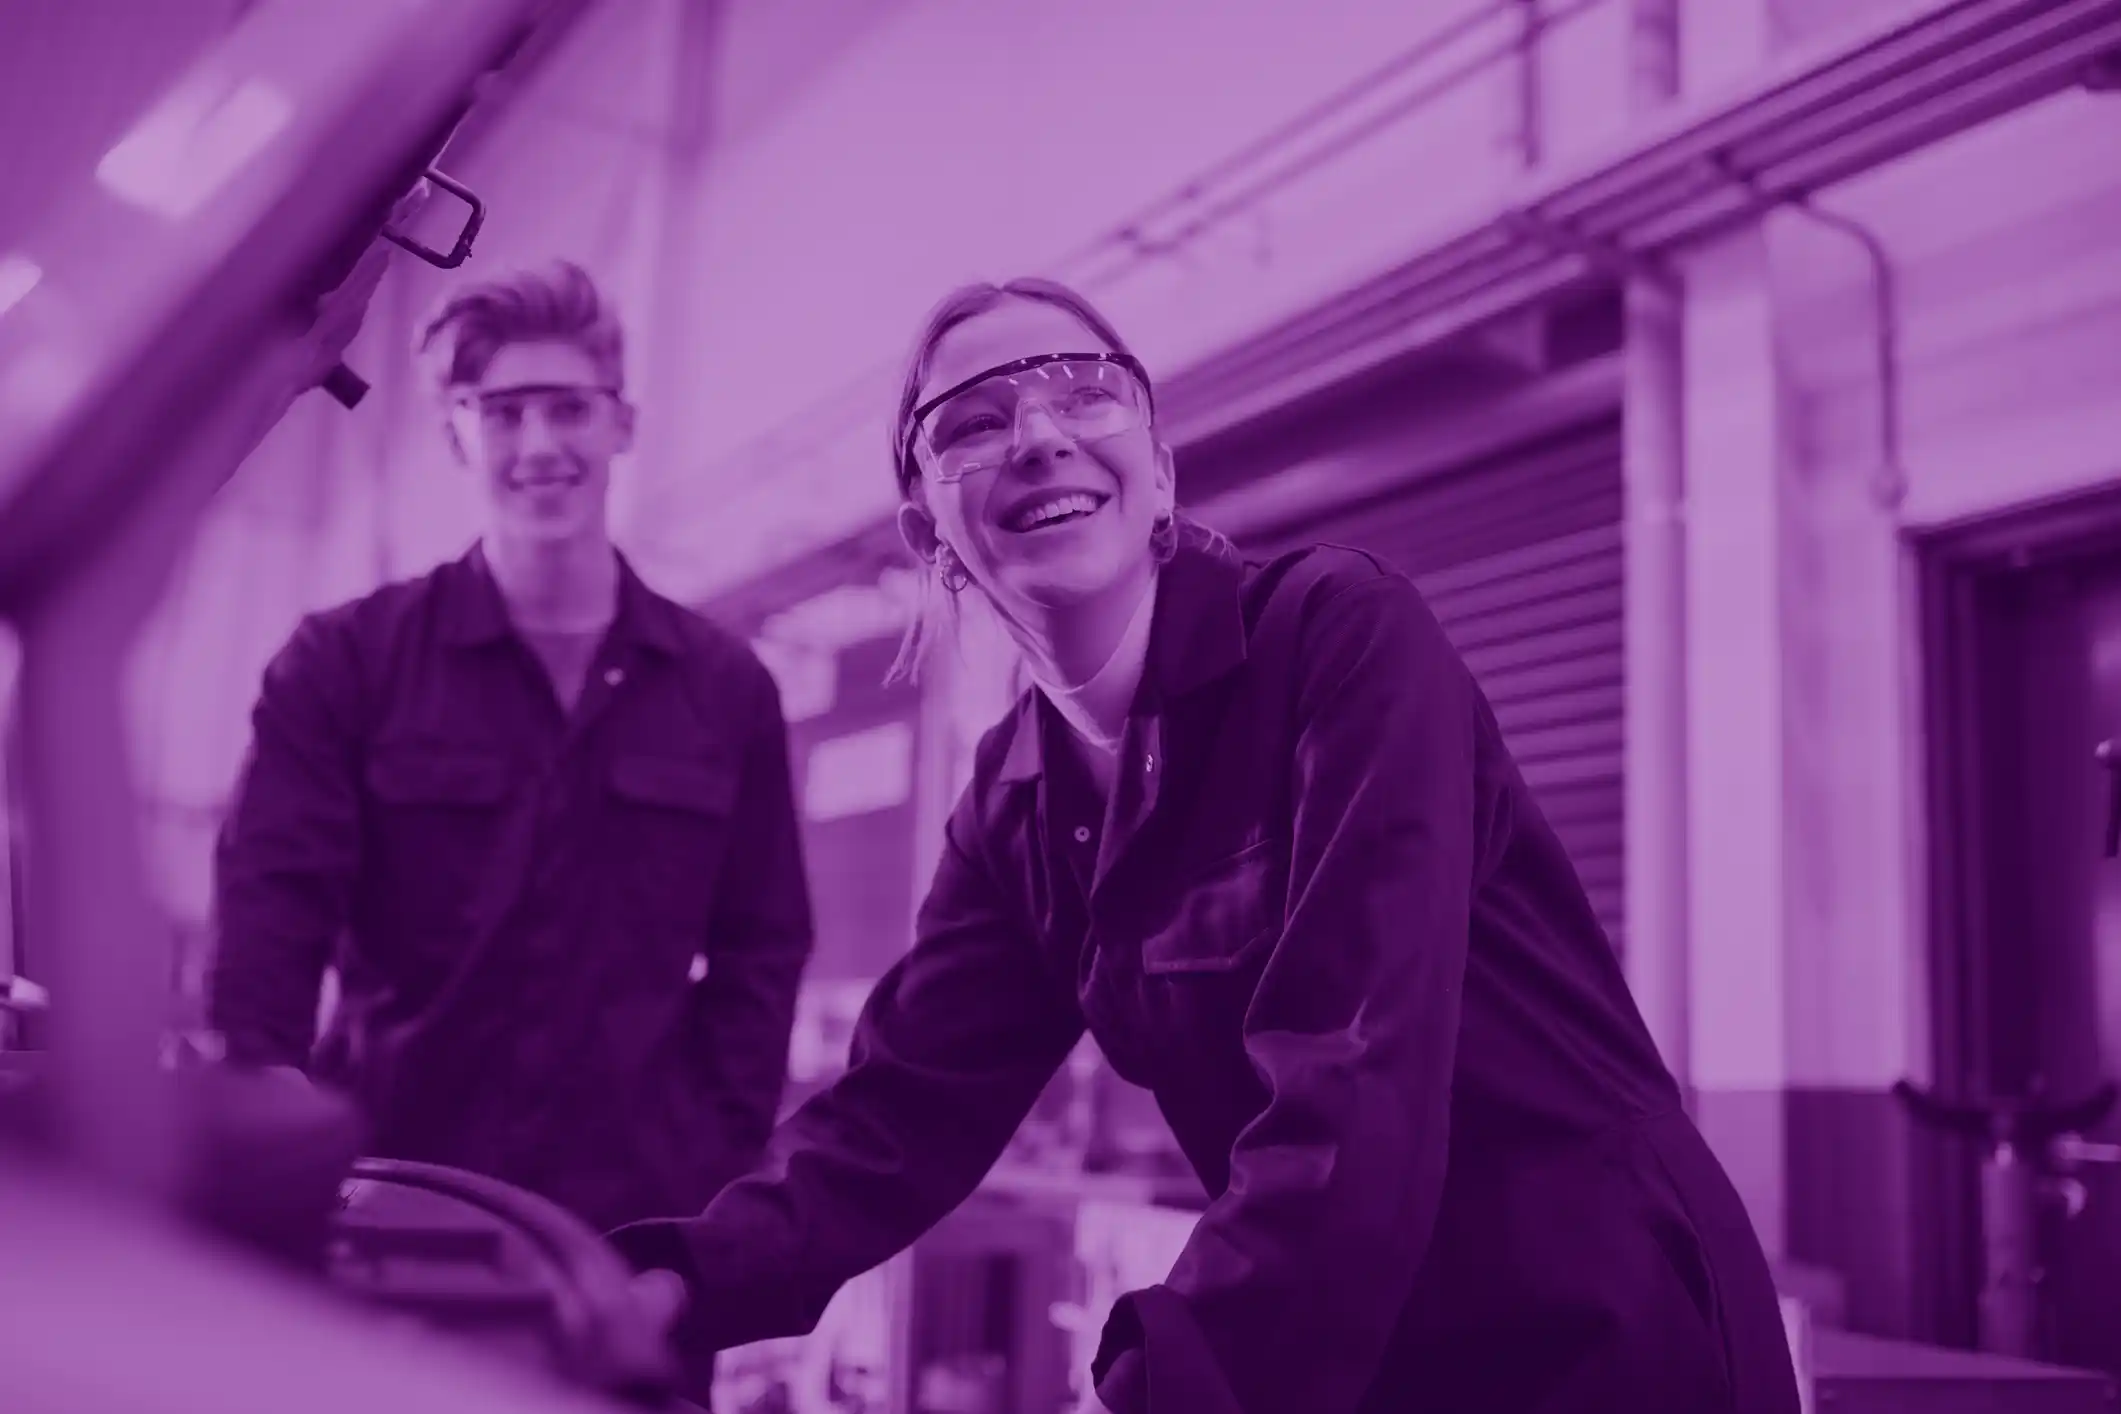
x,y
1028,458
1256,829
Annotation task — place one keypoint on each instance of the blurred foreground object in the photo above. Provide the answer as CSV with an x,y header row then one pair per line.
x,y
160,317
260,1156
268,1162
153,323
2108,754
346,386
206,233
204,1330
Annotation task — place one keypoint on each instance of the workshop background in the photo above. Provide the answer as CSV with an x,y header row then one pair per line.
x,y
1740,378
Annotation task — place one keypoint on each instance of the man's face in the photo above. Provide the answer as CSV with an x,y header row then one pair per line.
x,y
541,429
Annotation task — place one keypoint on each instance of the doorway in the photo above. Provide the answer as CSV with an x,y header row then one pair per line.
x,y
2025,685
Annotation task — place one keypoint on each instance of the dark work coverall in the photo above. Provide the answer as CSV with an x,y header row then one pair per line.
x,y
523,893
1327,925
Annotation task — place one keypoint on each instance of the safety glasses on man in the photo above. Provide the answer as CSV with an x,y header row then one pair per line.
x,y
563,407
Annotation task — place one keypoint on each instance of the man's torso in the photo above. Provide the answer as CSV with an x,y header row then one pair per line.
x,y
531,913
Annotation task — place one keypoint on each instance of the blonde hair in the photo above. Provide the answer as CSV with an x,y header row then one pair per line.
x,y
557,303
936,615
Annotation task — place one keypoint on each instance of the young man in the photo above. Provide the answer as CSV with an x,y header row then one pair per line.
x,y
539,816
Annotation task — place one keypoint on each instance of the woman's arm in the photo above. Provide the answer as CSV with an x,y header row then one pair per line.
x,y
953,1048
1296,1276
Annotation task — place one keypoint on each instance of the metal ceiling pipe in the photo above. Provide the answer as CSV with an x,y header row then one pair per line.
x,y
1822,117
1525,132
1828,113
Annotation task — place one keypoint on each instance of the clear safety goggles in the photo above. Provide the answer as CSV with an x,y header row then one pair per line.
x,y
972,427
564,408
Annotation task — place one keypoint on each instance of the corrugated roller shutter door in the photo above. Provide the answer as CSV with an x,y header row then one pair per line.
x,y
1520,556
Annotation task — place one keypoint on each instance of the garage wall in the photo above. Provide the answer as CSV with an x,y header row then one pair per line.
x,y
1809,929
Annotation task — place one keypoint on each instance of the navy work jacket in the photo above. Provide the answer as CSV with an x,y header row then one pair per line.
x,y
569,943
1328,927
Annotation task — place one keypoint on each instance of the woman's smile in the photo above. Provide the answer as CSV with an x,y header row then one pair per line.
x,y
1045,512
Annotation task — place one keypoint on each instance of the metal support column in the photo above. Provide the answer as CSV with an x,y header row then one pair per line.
x,y
1653,449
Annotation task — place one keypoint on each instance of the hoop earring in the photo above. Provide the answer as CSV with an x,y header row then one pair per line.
x,y
950,572
1163,538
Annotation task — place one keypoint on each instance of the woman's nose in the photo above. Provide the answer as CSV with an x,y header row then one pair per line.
x,y
1036,431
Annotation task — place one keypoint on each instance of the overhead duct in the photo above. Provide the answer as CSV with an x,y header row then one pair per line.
x,y
1824,117
1831,112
